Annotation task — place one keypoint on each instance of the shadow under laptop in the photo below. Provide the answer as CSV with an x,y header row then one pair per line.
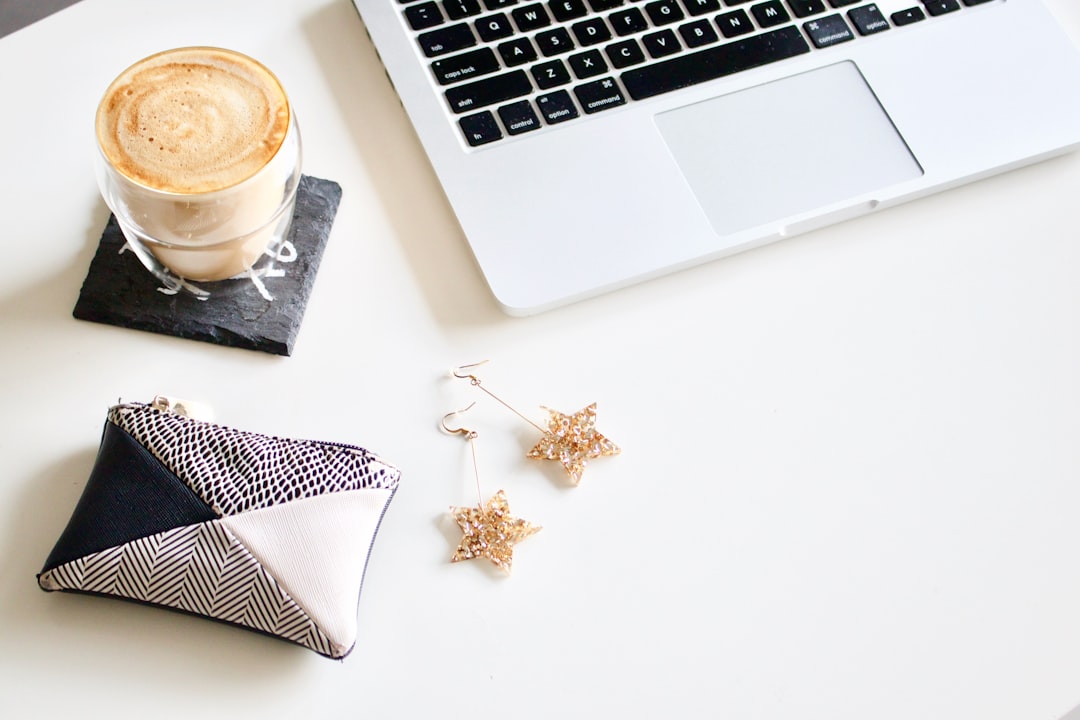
x,y
403,178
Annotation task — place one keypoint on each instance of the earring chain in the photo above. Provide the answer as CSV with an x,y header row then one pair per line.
x,y
475,382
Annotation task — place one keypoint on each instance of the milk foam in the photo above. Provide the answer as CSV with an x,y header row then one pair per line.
x,y
192,120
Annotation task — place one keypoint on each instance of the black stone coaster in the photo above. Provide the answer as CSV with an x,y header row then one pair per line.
x,y
118,290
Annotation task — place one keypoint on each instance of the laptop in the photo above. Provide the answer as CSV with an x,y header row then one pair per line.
x,y
586,145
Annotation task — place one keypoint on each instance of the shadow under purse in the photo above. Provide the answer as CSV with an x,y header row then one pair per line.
x,y
265,533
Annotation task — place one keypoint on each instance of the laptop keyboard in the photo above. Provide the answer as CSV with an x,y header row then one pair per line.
x,y
510,67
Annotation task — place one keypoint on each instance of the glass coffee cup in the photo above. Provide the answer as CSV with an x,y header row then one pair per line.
x,y
199,156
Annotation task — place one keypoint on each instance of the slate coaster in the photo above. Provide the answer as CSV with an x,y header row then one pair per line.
x,y
118,290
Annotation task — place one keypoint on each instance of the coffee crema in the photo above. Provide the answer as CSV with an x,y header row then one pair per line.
x,y
193,120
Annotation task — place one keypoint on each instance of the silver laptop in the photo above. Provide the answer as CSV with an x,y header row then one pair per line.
x,y
585,145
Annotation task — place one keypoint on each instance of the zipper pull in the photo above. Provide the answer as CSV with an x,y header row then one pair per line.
x,y
184,408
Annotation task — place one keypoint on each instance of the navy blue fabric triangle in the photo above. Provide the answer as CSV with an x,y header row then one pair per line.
x,y
129,495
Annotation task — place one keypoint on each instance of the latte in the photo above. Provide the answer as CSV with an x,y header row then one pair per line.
x,y
200,159
192,120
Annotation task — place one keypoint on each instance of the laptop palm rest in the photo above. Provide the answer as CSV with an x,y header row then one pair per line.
x,y
786,148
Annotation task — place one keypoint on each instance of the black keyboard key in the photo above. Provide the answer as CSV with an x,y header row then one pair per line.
x,y
661,44
603,5
628,21
498,4
556,107
842,3
488,91
587,64
564,10
531,17
714,62
734,23
806,8
424,15
868,19
518,51
906,17
474,63
591,31
697,33
494,27
554,41
550,74
940,7
480,128
828,31
519,117
458,9
446,40
664,12
701,7
769,14
599,95
624,53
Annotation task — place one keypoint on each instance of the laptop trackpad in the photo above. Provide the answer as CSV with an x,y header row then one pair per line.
x,y
787,147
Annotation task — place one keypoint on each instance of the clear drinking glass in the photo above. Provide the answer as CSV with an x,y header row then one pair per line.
x,y
198,157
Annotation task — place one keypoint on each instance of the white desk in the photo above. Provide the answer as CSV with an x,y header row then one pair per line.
x,y
850,477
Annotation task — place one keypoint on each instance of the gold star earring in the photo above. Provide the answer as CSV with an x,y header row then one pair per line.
x,y
487,530
572,440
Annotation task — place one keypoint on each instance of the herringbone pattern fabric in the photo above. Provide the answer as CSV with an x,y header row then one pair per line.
x,y
200,569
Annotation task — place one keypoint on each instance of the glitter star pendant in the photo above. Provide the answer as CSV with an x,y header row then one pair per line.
x,y
573,441
490,531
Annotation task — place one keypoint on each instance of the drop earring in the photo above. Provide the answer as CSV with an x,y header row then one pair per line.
x,y
572,440
487,530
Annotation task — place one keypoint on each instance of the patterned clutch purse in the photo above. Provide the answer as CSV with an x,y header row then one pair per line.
x,y
268,534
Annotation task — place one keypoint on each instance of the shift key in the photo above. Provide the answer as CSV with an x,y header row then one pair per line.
x,y
488,91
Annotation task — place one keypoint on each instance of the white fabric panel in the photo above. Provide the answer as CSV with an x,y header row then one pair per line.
x,y
316,548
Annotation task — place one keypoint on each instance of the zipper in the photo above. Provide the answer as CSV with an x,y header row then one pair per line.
x,y
183,408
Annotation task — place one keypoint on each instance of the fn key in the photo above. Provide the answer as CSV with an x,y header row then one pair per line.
x,y
480,128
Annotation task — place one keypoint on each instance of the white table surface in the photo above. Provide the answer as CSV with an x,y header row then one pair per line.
x,y
850,480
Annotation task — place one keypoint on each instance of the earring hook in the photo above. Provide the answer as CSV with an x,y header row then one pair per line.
x,y
469,434
457,372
